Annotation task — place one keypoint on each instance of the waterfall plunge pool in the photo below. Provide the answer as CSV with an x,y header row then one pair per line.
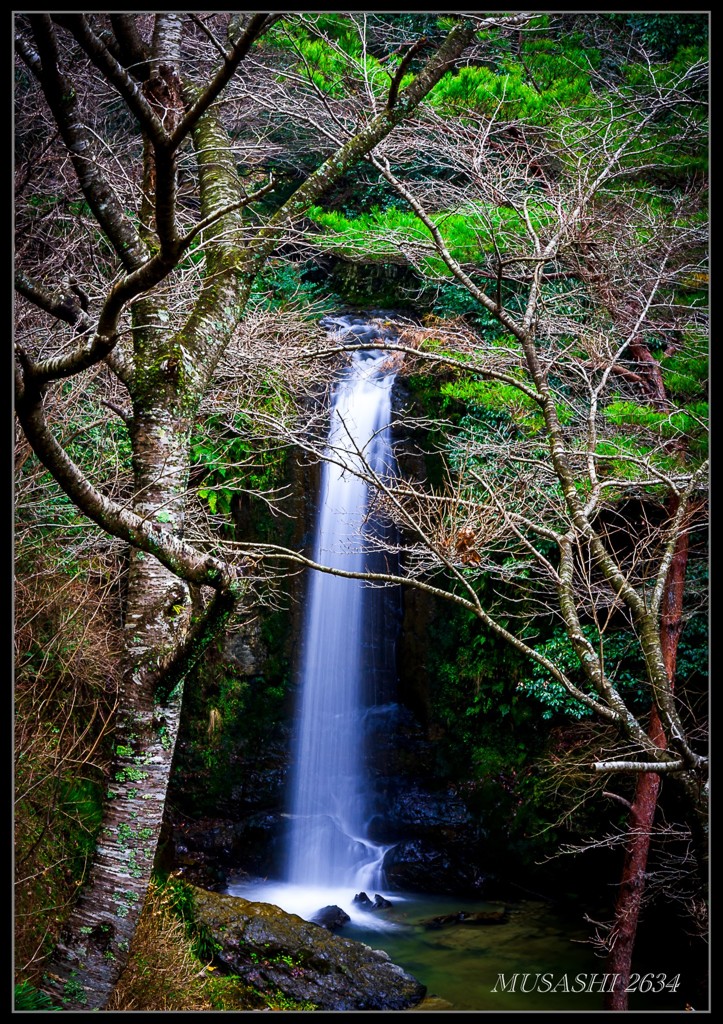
x,y
461,963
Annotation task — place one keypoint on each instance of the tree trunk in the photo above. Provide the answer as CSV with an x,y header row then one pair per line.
x,y
642,813
92,951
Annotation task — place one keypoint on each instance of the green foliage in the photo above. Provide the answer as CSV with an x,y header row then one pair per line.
x,y
359,190
450,300
685,374
234,454
622,661
130,774
505,400
689,424
27,997
73,990
548,75
327,50
492,737
693,650
180,899
283,282
475,696
275,999
628,458
668,33
467,233
82,804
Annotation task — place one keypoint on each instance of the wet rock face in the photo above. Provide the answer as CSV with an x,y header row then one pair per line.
x,y
207,851
439,845
271,949
423,865
414,810
245,650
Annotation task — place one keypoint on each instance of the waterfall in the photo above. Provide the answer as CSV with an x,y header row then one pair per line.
x,y
328,845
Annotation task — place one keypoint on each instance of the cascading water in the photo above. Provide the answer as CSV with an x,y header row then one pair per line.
x,y
346,653
328,843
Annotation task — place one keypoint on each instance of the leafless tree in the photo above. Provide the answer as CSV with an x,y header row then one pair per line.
x,y
140,234
581,506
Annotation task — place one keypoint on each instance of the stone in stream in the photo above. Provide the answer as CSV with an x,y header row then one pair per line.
x,y
270,949
362,332
363,901
464,917
331,917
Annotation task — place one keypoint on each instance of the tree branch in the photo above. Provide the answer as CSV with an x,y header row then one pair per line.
x,y
61,96
134,52
65,305
401,70
113,71
663,766
173,552
255,27
106,336
199,636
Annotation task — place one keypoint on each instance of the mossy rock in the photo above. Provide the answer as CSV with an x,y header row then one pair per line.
x,y
273,950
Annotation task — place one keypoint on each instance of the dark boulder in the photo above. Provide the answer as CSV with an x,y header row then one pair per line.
x,y
427,865
331,918
379,902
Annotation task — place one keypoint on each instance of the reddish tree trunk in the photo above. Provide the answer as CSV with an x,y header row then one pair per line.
x,y
642,813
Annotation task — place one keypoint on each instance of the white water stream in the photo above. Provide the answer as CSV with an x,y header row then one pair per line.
x,y
328,843
330,857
